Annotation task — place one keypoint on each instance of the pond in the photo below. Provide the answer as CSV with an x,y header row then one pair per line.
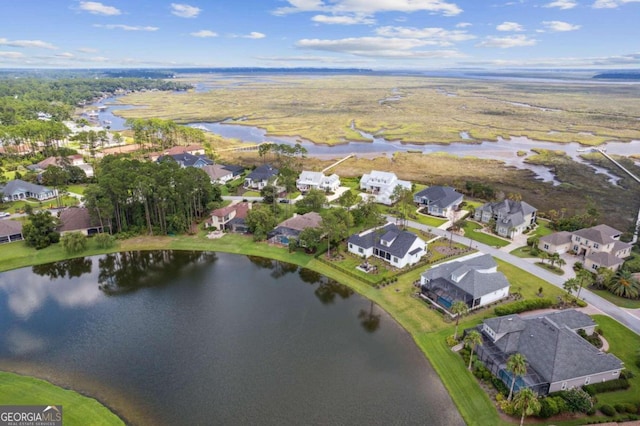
x,y
168,337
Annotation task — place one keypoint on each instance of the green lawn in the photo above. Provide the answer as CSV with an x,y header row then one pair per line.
x,y
523,252
624,344
543,228
617,300
76,409
251,194
471,230
77,189
429,220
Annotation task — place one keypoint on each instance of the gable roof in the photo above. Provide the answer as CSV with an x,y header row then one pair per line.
x,y
188,160
241,210
262,173
605,259
602,234
18,186
475,276
301,222
216,171
512,212
314,178
383,177
439,196
10,227
400,240
74,219
506,324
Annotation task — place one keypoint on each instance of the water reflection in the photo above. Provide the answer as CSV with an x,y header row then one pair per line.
x,y
66,268
369,320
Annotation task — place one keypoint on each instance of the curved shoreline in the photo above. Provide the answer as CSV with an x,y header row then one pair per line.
x,y
474,410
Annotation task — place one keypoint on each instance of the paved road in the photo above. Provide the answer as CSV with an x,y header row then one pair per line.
x,y
608,308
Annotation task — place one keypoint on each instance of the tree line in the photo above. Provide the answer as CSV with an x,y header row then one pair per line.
x,y
147,197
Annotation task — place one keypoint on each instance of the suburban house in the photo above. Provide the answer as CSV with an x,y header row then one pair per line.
x,y
218,173
260,177
189,160
438,200
189,149
76,160
389,243
557,357
19,190
599,246
230,218
475,280
317,180
382,185
10,231
511,217
292,227
78,219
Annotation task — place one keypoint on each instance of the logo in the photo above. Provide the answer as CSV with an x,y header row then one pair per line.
x,y
30,415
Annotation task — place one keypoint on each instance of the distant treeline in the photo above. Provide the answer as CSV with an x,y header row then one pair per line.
x,y
632,75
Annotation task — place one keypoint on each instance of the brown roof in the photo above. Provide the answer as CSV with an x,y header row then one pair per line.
x,y
121,149
601,234
557,238
49,161
241,210
10,227
307,220
75,219
216,171
182,149
605,259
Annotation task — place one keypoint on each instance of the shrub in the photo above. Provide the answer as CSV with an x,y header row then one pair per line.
x,y
630,408
451,341
104,240
620,408
610,386
523,306
608,410
548,408
578,401
499,385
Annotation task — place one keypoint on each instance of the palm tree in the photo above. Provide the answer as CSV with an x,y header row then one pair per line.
x,y
561,262
458,308
624,284
472,339
554,258
517,366
544,255
585,279
571,285
526,401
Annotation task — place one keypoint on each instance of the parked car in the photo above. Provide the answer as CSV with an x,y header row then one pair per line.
x,y
284,201
5,214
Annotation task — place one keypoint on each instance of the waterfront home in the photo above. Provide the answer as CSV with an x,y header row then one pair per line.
x,y
260,177
189,149
474,280
188,160
20,190
389,243
557,357
317,180
291,228
218,173
76,160
10,231
598,246
78,219
382,185
230,218
511,217
438,200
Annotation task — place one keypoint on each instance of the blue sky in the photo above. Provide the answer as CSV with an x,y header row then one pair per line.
x,y
379,34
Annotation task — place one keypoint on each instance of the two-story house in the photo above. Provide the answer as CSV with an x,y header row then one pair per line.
x,y
389,243
317,180
511,217
438,200
230,218
260,177
382,185
599,246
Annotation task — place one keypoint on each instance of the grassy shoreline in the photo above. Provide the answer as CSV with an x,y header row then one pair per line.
x,y
424,325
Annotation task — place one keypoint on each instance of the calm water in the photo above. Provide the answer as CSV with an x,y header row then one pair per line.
x,y
206,338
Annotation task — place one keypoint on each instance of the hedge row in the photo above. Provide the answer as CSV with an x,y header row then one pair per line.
x,y
523,306
610,386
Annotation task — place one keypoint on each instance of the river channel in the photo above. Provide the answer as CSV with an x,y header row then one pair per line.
x,y
210,338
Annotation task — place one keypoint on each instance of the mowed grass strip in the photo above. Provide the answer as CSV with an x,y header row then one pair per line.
x,y
76,409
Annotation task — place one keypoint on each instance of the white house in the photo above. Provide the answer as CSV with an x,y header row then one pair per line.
x,y
382,185
511,217
475,280
317,180
260,177
390,243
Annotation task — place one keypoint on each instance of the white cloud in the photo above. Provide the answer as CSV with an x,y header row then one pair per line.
x,y
254,35
97,8
126,27
611,4
379,47
87,50
11,55
343,19
632,59
507,42
66,55
27,43
204,34
562,4
463,24
559,26
509,26
433,36
99,59
369,7
185,10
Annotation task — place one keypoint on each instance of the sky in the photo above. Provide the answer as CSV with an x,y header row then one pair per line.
x,y
376,34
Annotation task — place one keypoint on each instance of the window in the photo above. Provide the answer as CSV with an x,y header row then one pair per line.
x,y
594,266
578,239
546,246
595,245
564,386
587,380
350,245
360,250
395,260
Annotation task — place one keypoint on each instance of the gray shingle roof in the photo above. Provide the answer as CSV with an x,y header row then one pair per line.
x,y
399,246
570,318
18,186
557,238
10,227
475,276
439,196
602,234
262,173
513,212
506,324
605,259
